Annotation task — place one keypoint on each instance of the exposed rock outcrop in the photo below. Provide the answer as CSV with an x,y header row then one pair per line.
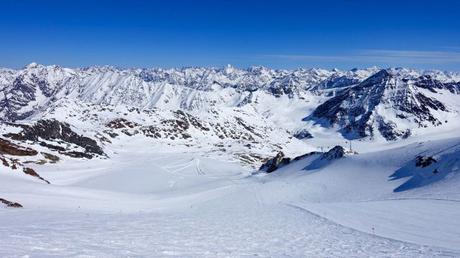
x,y
280,160
336,152
10,204
32,172
274,163
56,130
303,134
422,161
327,158
9,148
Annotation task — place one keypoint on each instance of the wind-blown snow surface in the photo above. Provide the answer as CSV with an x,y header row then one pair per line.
x,y
155,202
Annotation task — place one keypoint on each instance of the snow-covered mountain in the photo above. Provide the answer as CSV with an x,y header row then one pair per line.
x,y
358,103
36,87
392,103
302,163
247,114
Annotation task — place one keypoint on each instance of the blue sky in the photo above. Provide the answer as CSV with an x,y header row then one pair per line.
x,y
277,34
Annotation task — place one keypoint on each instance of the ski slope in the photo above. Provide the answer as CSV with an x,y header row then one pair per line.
x,y
161,203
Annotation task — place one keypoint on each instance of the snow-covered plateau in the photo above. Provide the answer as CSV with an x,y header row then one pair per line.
x,y
227,162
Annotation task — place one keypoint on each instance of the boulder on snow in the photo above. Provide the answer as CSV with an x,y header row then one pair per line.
x,y
274,163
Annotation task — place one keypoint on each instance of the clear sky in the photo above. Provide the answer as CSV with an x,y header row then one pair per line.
x,y
278,34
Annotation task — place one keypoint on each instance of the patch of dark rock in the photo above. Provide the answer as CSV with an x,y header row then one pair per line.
x,y
129,132
9,148
430,102
9,162
327,158
275,163
336,152
121,123
249,158
10,204
246,126
427,82
52,146
77,154
55,130
303,134
422,161
4,162
390,132
110,133
190,119
33,173
150,131
305,155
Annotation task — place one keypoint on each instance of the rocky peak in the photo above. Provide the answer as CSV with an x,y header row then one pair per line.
x,y
357,110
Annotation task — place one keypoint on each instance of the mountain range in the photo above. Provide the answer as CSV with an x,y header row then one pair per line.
x,y
247,114
306,162
359,103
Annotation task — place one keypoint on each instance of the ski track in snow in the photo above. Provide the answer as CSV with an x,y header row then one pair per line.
x,y
258,230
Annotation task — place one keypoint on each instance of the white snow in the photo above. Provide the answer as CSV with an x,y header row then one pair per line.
x,y
146,202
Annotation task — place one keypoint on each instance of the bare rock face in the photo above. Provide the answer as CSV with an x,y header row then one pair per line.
x,y
10,204
357,112
274,163
335,153
9,148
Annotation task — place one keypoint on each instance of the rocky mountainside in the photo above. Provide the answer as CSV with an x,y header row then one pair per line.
x,y
390,103
34,88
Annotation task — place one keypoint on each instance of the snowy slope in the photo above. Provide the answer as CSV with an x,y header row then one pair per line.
x,y
193,204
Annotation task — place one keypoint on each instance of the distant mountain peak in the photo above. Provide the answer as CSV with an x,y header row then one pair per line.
x,y
32,65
